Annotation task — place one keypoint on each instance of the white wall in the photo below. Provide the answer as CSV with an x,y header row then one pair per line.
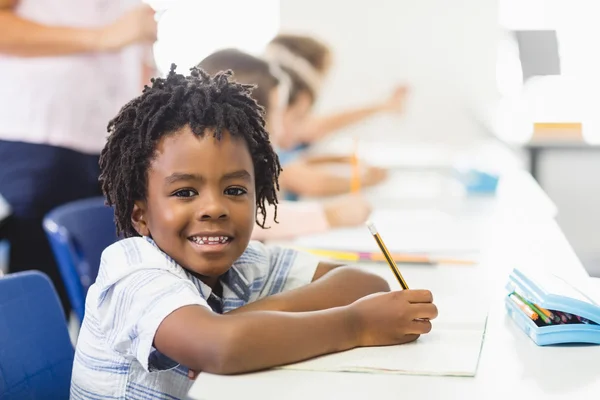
x,y
570,179
445,50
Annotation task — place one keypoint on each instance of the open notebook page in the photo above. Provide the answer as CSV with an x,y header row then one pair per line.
x,y
452,348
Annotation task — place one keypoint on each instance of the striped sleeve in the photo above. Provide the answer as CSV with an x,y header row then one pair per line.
x,y
134,307
287,269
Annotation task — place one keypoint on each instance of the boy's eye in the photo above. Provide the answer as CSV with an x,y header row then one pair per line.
x,y
184,193
235,191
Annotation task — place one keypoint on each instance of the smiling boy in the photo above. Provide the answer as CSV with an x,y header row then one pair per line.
x,y
188,167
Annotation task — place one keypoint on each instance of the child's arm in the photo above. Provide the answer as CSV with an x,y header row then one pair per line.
x,y
331,287
296,218
227,344
309,180
318,127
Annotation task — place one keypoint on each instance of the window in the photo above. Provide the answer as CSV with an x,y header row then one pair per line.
x,y
189,30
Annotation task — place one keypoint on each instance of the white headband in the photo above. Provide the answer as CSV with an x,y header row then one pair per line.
x,y
282,56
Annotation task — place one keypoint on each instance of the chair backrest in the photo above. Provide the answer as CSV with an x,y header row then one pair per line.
x,y
36,354
78,232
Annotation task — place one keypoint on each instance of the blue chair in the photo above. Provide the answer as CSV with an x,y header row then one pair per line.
x,y
78,233
36,354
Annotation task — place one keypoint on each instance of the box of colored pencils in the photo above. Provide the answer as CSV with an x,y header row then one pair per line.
x,y
551,310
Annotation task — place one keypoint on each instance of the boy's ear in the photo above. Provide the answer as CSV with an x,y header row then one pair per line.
x,y
138,218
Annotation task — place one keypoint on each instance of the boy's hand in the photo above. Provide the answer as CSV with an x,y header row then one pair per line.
x,y
135,26
393,318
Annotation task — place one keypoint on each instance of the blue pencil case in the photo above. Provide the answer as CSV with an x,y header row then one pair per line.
x,y
551,310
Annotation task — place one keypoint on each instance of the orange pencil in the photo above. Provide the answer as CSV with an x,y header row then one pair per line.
x,y
524,307
355,183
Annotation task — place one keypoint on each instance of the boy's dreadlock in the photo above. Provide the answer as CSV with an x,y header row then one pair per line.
x,y
200,101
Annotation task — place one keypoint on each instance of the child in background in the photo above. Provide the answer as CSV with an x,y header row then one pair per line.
x,y
188,168
295,218
308,62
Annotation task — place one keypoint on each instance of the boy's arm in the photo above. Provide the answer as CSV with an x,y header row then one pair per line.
x,y
331,287
298,316
230,344
227,344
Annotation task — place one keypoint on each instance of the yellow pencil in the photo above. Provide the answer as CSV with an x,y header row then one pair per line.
x,y
355,183
387,255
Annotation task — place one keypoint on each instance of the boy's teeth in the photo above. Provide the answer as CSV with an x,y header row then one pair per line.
x,y
210,239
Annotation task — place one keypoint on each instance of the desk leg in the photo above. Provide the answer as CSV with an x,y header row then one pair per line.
x,y
534,154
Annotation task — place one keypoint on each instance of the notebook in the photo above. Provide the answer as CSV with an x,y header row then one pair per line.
x,y
452,348
412,231
552,310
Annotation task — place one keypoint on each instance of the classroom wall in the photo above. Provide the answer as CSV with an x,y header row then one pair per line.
x,y
446,51
570,180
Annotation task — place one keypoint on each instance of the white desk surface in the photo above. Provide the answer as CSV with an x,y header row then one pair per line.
x,y
510,364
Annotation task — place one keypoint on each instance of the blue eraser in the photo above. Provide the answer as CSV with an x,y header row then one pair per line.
x,y
477,181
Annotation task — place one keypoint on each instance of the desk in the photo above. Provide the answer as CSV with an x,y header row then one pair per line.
x,y
536,148
510,364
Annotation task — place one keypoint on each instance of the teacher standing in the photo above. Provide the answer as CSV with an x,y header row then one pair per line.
x,y
65,67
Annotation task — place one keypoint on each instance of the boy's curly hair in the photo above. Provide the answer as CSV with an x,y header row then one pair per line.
x,y
200,101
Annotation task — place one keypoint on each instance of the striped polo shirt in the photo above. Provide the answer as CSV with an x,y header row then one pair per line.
x,y
137,286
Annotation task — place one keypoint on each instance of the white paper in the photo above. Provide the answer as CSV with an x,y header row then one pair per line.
x,y
406,231
452,348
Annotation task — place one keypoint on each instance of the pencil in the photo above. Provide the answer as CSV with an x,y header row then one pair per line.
x,y
524,307
355,183
387,255
377,257
543,317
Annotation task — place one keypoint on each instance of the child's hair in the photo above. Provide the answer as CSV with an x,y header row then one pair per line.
x,y
298,86
169,104
304,59
312,50
246,69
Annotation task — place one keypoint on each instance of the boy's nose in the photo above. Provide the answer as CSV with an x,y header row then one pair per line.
x,y
213,207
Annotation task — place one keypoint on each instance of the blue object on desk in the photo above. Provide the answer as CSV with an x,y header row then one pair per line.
x,y
78,233
558,296
477,181
36,354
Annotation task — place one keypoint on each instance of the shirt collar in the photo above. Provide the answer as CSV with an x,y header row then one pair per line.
x,y
233,279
